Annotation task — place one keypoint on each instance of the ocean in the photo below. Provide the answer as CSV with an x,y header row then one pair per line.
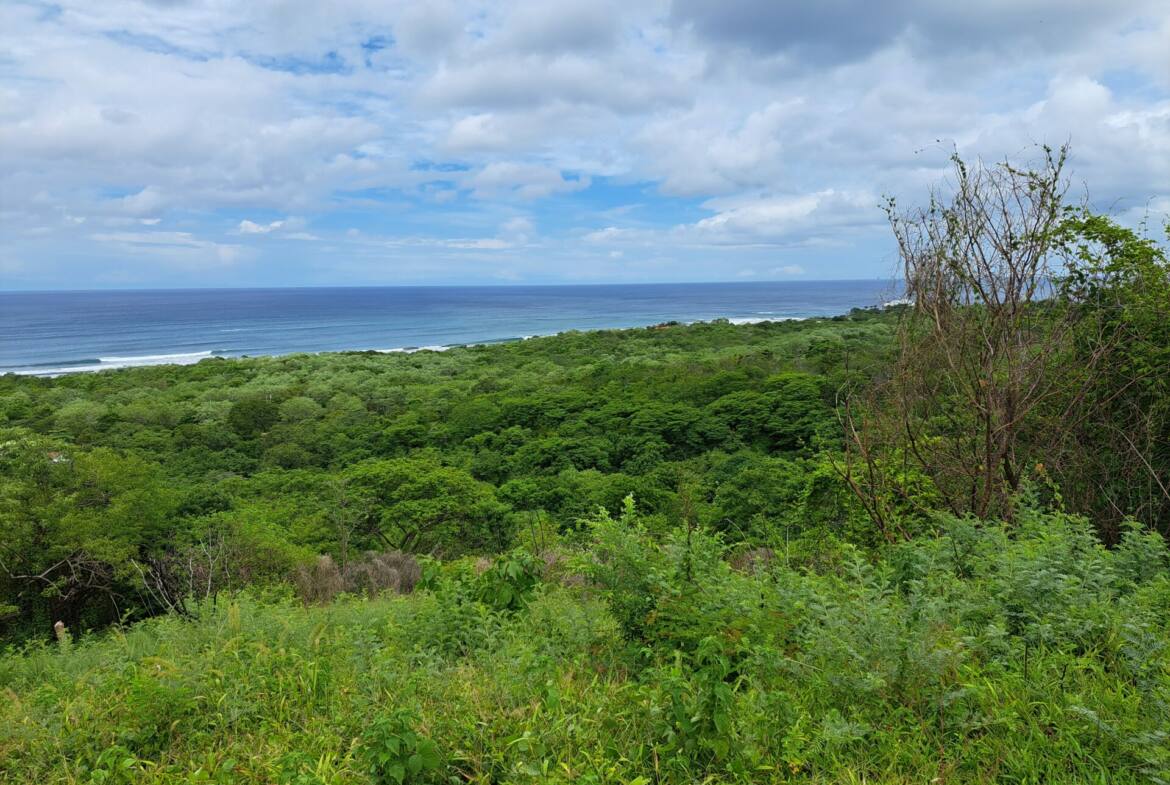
x,y
52,333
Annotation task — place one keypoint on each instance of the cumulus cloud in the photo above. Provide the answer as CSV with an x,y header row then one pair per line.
x,y
518,82
589,26
760,220
148,200
712,153
516,232
250,227
780,218
523,180
428,30
849,30
290,228
519,228
685,138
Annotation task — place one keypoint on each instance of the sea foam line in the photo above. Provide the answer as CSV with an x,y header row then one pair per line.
x,y
765,319
90,365
112,363
413,349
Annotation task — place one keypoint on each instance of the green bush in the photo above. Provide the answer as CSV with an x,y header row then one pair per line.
x,y
394,752
1024,653
508,582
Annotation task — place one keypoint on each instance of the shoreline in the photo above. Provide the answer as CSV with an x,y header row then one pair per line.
x,y
55,335
53,370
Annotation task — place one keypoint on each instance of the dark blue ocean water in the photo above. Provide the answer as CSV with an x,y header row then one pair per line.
x,y
61,332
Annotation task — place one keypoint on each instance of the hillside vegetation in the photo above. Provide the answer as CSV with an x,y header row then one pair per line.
x,y
975,656
232,472
919,544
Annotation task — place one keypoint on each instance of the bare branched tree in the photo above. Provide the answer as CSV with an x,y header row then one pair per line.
x,y
1036,345
976,348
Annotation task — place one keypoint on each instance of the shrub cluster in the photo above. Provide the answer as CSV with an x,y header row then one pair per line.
x,y
372,574
1028,653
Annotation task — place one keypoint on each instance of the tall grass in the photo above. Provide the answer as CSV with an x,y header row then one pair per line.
x,y
984,655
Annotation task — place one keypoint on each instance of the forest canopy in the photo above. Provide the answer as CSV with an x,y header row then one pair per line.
x,y
260,465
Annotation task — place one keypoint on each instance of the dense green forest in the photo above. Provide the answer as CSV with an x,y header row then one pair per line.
x,y
252,468
916,544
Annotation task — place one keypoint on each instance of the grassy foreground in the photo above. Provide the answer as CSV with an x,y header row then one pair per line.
x,y
626,657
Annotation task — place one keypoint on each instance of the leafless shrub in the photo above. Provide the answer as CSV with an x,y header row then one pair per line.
x,y
407,568
979,351
552,560
320,581
753,560
374,573
574,580
218,562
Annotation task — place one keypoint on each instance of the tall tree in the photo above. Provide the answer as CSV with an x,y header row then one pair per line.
x,y
975,348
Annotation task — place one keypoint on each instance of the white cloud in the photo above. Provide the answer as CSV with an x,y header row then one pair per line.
x,y
175,247
523,180
148,200
849,30
250,227
820,218
764,218
481,244
516,232
290,228
706,152
525,81
519,229
428,30
746,126
612,234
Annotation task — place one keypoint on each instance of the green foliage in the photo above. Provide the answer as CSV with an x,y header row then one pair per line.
x,y
697,701
507,584
252,416
395,752
627,566
79,417
299,409
1027,653
1118,282
249,469
418,504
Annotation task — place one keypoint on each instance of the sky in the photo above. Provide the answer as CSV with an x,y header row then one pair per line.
x,y
367,142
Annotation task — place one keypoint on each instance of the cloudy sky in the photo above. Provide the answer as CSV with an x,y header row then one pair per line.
x,y
272,142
